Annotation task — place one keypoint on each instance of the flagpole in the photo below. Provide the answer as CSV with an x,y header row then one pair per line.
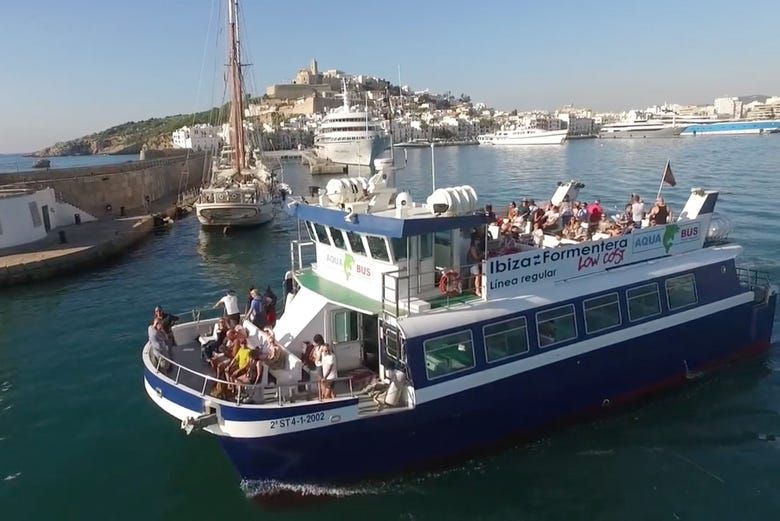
x,y
663,176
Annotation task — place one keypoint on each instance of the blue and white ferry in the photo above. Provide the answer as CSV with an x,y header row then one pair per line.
x,y
559,332
732,127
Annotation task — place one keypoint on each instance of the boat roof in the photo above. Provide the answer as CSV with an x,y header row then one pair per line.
x,y
418,220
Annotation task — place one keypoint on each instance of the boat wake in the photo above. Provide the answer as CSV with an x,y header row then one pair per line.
x,y
258,488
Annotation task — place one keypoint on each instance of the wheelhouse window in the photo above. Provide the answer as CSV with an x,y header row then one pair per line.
x,y
378,248
601,313
448,354
400,249
426,246
681,291
338,238
356,243
505,339
310,231
391,343
322,233
345,326
643,302
556,325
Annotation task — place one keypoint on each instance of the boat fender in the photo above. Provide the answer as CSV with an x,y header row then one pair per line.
x,y
449,284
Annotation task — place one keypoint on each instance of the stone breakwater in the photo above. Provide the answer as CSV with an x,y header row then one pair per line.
x,y
135,186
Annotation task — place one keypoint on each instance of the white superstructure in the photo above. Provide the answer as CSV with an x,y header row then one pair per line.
x,y
351,136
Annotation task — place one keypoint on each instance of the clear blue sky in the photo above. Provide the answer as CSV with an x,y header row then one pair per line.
x,y
71,67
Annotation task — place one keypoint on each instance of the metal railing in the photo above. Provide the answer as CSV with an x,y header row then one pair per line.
x,y
283,393
756,281
396,304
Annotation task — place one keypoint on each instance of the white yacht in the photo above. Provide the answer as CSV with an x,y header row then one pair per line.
x,y
240,191
351,136
524,136
638,126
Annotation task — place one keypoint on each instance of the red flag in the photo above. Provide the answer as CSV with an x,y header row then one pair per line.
x,y
668,176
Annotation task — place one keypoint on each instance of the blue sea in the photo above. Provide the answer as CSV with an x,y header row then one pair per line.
x,y
79,438
11,163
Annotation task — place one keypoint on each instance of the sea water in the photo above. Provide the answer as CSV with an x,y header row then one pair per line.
x,y
79,438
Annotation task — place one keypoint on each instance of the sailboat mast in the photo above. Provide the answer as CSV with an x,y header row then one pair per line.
x,y
237,98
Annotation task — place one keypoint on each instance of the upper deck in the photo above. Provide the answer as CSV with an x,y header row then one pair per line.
x,y
374,250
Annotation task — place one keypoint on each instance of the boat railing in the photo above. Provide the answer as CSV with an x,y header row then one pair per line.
x,y
302,253
756,281
400,288
247,394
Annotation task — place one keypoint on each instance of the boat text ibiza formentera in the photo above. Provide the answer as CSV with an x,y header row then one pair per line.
x,y
430,369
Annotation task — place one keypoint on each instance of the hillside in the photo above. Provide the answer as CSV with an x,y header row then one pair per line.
x,y
130,137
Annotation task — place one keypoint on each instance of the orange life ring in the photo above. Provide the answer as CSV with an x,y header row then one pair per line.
x,y
449,284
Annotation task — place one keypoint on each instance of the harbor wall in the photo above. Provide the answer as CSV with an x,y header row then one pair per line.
x,y
104,190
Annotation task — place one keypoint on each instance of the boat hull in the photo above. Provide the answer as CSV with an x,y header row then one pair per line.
x,y
233,214
449,428
358,152
643,133
555,137
733,128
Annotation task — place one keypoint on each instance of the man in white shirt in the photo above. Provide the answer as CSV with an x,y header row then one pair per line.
x,y
230,301
637,211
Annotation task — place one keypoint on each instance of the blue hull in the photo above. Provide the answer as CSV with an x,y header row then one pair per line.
x,y
740,127
458,425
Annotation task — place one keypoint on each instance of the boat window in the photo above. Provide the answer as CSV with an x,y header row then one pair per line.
x,y
400,248
311,232
448,354
391,343
322,233
356,243
505,339
378,248
426,248
338,238
643,302
601,313
681,291
444,238
556,325
345,326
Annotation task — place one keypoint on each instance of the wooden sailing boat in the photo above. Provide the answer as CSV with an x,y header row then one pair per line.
x,y
241,190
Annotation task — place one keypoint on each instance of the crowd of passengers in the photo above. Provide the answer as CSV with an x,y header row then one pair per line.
x,y
228,352
575,220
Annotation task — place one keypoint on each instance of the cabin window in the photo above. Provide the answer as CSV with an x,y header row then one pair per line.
x,y
448,354
345,326
338,238
322,233
310,231
356,243
444,238
505,339
400,248
681,291
426,246
601,313
378,248
556,325
391,343
643,302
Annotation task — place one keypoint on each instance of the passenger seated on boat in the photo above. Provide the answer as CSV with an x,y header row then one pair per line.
x,y
538,235
212,345
240,362
222,357
254,372
595,213
581,211
583,232
270,351
552,218
327,361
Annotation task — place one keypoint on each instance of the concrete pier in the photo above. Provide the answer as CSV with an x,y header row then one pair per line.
x,y
87,245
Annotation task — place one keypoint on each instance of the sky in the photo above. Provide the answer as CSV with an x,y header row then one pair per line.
x,y
73,67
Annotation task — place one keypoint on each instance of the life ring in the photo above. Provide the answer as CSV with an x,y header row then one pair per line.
x,y
234,196
449,284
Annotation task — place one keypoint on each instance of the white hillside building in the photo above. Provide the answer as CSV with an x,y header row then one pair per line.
x,y
198,137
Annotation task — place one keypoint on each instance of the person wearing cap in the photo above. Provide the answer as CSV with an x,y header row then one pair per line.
x,y
230,301
660,213
595,211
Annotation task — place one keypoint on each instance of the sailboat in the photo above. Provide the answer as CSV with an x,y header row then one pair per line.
x,y
241,190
